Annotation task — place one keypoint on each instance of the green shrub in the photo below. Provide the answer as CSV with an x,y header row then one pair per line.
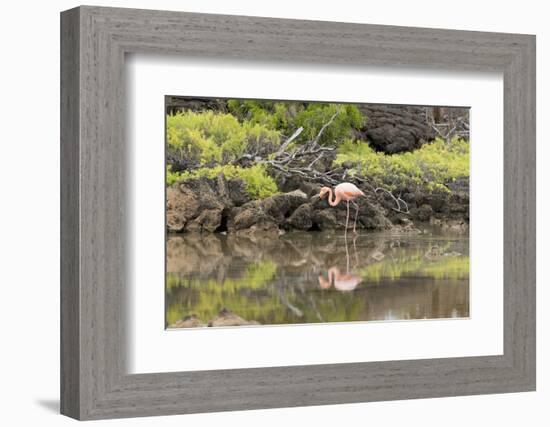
x,y
316,115
274,115
171,176
289,116
212,137
432,166
258,183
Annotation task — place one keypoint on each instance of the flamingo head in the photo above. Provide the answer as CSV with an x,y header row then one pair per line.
x,y
324,192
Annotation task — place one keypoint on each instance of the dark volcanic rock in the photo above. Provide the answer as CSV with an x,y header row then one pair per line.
x,y
451,203
208,220
271,210
280,206
237,192
200,204
216,205
394,129
325,219
310,189
370,217
176,104
181,206
423,213
246,217
301,218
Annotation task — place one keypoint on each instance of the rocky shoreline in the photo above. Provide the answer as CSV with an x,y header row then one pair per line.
x,y
222,205
224,318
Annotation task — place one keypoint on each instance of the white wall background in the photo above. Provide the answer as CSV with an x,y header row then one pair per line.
x,y
29,212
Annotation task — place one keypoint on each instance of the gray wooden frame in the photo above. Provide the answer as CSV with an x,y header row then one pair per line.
x,y
94,382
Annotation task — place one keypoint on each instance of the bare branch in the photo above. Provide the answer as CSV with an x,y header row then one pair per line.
x,y
293,162
449,127
284,146
326,125
315,160
398,200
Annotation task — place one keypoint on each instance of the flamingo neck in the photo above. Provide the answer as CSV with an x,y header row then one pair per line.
x,y
333,200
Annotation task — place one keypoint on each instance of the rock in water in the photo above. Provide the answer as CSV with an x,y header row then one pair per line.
x,y
188,322
458,226
406,226
228,318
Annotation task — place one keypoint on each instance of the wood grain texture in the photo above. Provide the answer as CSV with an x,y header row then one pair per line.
x,y
95,273
70,292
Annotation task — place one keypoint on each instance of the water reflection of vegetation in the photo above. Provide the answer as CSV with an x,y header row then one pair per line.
x,y
277,281
272,305
205,298
446,267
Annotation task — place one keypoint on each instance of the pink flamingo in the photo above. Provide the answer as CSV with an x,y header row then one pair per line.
x,y
342,281
347,192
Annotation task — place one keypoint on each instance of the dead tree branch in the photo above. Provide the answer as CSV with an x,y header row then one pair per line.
x,y
326,125
284,146
300,161
398,200
448,126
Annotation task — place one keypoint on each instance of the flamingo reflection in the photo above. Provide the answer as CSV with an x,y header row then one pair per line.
x,y
344,282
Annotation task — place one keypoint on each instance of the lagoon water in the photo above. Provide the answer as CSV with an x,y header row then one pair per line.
x,y
312,277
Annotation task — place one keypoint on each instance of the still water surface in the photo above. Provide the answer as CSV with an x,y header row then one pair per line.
x,y
311,277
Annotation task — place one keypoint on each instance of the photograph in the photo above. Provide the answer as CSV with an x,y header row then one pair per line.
x,y
284,212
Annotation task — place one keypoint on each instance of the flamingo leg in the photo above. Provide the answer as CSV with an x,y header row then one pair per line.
x,y
356,214
355,251
347,253
347,220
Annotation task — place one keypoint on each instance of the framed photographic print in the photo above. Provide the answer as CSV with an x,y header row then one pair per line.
x,y
275,213
258,222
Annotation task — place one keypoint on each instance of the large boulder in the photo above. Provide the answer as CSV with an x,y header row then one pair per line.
x,y
202,204
181,205
394,128
301,218
236,191
280,206
208,220
325,219
370,216
266,212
